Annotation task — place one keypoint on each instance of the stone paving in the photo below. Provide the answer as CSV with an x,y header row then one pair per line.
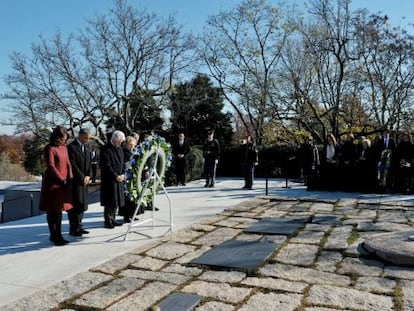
x,y
320,267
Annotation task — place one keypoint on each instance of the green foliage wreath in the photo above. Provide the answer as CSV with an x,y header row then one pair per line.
x,y
153,153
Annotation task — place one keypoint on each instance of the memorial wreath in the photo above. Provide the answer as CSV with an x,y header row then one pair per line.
x,y
146,169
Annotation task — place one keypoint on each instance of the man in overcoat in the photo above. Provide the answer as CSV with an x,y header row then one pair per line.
x,y
180,150
80,159
112,165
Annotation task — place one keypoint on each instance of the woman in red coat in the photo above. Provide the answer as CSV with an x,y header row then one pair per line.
x,y
55,196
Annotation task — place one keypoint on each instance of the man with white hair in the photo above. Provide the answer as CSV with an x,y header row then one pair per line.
x,y
112,165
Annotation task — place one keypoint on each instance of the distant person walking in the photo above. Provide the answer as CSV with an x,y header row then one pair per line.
x,y
180,151
211,154
80,158
55,195
112,165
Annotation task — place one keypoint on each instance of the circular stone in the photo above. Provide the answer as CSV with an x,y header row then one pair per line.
x,y
395,247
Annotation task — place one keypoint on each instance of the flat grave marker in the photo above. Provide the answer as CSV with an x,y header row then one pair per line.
x,y
277,226
237,254
180,302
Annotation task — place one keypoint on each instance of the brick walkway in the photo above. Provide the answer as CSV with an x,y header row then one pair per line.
x,y
320,267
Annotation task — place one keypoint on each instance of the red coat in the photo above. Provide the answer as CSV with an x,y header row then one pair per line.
x,y
56,192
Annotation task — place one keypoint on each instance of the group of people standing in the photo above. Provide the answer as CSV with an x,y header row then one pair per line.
x,y
211,155
385,164
71,168
65,182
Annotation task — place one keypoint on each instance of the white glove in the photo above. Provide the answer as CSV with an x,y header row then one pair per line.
x,y
216,161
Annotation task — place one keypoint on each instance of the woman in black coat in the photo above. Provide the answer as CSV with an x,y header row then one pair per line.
x,y
365,167
404,155
128,209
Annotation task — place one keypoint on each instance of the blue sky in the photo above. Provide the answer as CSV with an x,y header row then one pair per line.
x,y
23,21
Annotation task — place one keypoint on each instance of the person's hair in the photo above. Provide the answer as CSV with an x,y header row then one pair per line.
x,y
84,131
129,139
57,133
118,135
367,142
332,137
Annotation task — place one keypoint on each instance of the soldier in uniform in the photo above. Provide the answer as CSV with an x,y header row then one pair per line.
x,y
249,159
211,154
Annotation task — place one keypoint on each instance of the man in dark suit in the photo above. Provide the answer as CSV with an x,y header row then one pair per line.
x,y
80,159
180,150
112,165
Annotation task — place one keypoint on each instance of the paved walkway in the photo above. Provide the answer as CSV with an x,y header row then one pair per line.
x,y
320,267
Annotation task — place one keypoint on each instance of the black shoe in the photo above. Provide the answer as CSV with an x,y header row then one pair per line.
x,y
117,224
128,220
149,208
75,233
83,231
53,239
60,242
183,184
109,226
211,185
206,185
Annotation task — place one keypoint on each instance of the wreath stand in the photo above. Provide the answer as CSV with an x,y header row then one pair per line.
x,y
156,179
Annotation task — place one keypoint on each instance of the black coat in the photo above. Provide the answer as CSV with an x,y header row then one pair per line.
x,y
211,150
248,153
180,163
112,164
309,158
81,167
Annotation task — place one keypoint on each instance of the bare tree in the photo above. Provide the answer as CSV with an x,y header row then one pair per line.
x,y
242,49
92,77
330,39
348,71
387,68
299,90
